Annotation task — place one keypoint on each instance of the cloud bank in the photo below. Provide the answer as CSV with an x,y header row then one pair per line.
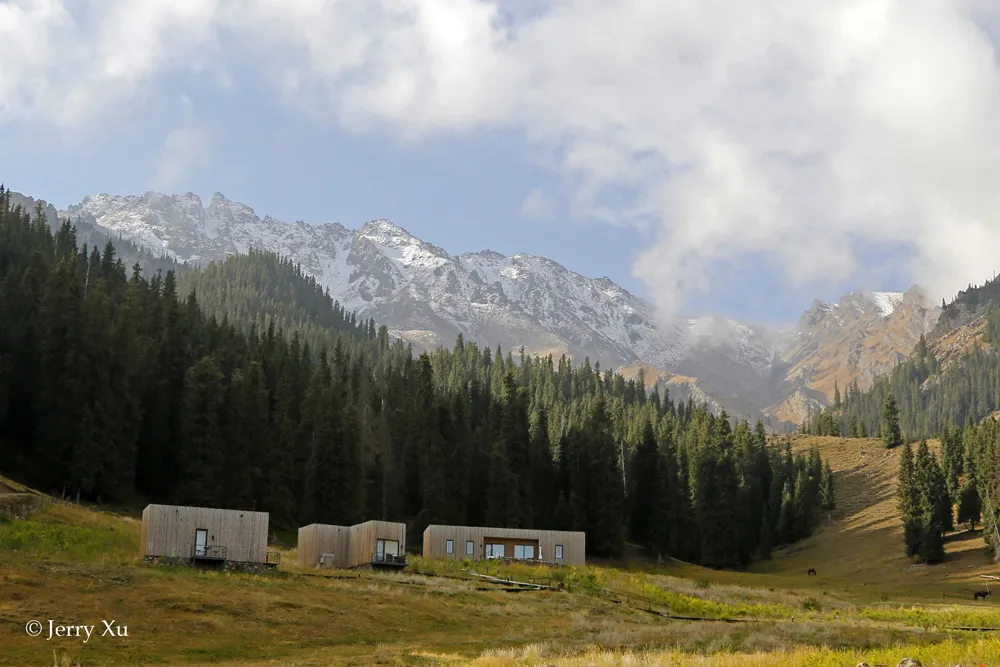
x,y
800,132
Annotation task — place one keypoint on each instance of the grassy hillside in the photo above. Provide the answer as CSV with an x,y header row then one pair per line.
x,y
79,565
861,542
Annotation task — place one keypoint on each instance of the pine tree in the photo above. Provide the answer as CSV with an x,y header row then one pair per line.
x,y
836,396
890,432
827,501
909,502
969,503
647,512
930,507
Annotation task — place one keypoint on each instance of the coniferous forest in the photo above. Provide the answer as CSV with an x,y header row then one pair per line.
x,y
246,386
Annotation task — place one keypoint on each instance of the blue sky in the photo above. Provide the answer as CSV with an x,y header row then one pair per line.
x,y
463,193
729,160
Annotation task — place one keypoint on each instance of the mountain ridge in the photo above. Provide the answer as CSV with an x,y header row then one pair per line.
x,y
428,296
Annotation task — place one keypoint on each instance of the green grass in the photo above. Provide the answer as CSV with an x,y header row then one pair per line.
x,y
69,562
49,538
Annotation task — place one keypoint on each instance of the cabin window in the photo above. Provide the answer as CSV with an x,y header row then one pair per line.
x,y
386,548
494,551
524,551
470,548
449,546
559,552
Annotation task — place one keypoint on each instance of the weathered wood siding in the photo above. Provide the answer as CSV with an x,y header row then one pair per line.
x,y
320,538
365,535
574,543
169,531
351,546
144,533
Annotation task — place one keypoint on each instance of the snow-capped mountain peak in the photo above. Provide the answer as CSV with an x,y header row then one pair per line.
x,y
424,294
886,302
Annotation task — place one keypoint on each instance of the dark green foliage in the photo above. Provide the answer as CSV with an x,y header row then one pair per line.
x,y
890,432
969,506
827,501
909,501
245,385
924,504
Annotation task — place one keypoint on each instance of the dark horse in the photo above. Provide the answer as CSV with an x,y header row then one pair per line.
x,y
812,571
980,594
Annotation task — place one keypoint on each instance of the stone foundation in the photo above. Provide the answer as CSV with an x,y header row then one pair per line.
x,y
251,568
166,560
228,566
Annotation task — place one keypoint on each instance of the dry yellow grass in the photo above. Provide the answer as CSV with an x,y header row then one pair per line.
x,y
859,546
652,374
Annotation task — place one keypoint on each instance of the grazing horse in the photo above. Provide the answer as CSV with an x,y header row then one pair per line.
x,y
980,594
812,571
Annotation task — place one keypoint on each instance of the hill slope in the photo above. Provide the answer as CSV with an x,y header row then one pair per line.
x,y
862,540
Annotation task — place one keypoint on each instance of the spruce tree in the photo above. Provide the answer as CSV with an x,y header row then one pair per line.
x,y
969,504
827,501
909,502
930,507
647,512
889,431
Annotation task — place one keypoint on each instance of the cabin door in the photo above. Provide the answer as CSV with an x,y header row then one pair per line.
x,y
200,541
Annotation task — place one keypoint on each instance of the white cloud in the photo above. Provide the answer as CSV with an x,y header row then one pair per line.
x,y
184,150
536,206
794,130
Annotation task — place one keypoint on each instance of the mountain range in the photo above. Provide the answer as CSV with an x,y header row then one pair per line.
x,y
428,297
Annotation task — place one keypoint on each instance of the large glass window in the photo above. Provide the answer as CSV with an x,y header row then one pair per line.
x,y
494,551
524,551
387,548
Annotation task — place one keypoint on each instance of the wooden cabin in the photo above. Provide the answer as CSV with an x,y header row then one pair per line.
x,y
479,543
374,543
205,535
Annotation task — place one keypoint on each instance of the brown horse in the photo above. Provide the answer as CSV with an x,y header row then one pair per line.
x,y
980,595
812,571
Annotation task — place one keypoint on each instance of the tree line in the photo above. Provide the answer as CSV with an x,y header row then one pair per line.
x,y
257,390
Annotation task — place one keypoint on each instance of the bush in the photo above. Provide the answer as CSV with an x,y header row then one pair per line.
x,y
811,604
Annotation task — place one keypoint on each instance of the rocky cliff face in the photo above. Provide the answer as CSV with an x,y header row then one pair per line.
x,y
864,335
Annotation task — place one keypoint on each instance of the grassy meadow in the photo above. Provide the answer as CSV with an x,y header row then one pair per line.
x,y
867,602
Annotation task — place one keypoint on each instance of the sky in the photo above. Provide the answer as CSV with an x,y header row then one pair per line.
x,y
719,157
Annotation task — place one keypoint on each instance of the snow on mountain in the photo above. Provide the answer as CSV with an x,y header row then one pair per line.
x,y
886,302
428,296
857,304
414,287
